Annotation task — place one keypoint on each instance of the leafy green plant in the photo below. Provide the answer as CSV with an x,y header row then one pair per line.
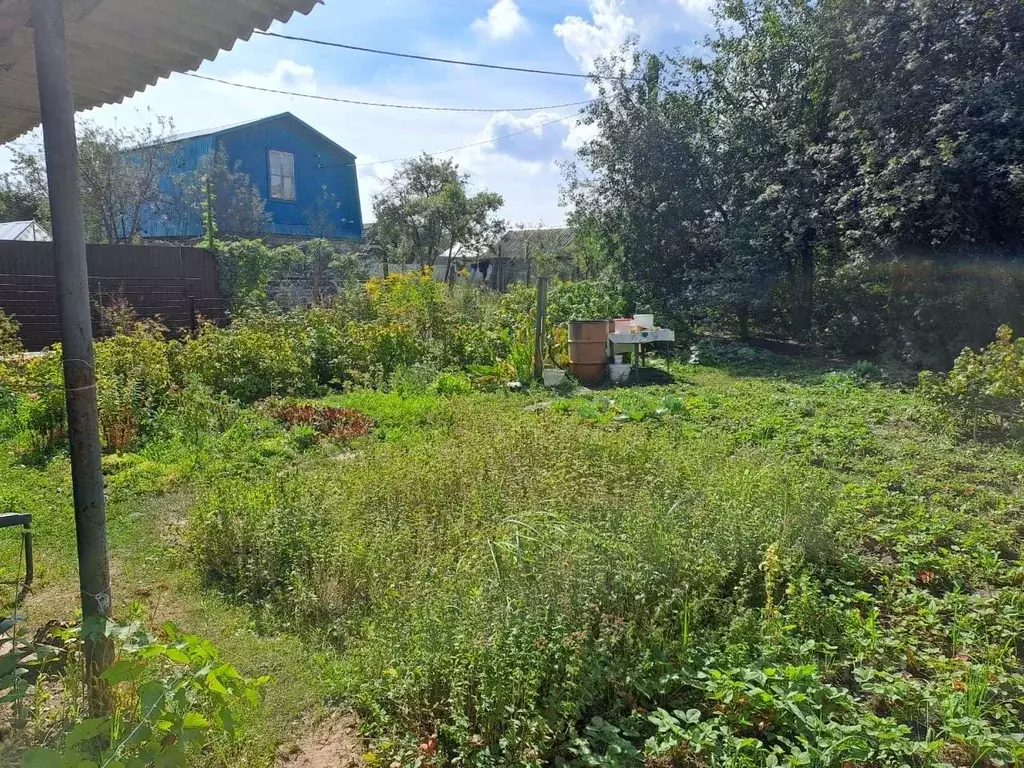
x,y
519,363
246,268
175,699
985,390
10,341
257,356
585,300
133,371
42,409
517,590
133,378
449,384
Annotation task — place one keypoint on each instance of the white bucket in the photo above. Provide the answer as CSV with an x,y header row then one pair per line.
x,y
553,377
645,321
619,373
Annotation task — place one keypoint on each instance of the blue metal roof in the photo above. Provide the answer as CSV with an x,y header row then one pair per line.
x,y
326,181
248,124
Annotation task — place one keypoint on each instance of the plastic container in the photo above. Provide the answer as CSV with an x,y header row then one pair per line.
x,y
553,377
644,321
622,324
619,373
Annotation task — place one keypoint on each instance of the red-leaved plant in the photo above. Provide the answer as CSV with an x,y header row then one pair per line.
x,y
335,423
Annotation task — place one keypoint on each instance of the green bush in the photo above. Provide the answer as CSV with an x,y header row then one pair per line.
x,y
42,409
985,390
10,341
10,369
921,312
450,384
512,577
257,356
246,268
134,378
585,300
372,352
175,701
196,412
416,301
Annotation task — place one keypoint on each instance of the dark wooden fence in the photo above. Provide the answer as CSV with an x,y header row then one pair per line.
x,y
175,285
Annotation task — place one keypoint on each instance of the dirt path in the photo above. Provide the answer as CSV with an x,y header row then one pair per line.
x,y
334,742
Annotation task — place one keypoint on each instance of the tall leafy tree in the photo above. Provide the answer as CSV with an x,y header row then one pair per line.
x,y
121,169
425,210
808,138
239,210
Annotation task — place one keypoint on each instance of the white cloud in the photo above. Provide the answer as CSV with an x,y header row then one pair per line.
x,y
536,138
286,75
503,22
613,22
587,41
696,7
579,134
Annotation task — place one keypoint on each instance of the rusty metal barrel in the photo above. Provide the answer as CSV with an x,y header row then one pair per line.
x,y
588,349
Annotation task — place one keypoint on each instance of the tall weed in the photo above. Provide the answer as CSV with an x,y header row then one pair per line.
x,y
499,582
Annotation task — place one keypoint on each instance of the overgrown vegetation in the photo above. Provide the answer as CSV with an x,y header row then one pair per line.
x,y
175,700
766,562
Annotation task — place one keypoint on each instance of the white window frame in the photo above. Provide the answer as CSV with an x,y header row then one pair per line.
x,y
281,167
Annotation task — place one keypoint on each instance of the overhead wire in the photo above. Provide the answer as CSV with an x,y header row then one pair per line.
x,y
389,105
492,140
438,60
485,142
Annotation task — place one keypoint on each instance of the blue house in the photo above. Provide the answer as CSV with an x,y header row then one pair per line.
x,y
308,182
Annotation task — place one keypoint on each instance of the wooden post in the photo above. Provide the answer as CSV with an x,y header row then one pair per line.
x,y
193,320
57,108
538,340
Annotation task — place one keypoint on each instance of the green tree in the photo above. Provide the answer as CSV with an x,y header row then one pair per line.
x,y
239,210
19,203
810,139
121,169
425,211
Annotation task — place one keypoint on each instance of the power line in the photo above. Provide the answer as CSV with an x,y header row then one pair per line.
x,y
419,107
457,149
527,70
531,129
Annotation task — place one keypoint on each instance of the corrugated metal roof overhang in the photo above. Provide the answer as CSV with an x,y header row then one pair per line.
x,y
119,47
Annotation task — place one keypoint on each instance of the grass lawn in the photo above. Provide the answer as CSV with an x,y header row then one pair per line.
x,y
762,565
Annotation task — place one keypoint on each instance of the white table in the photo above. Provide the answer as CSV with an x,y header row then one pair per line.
x,y
637,340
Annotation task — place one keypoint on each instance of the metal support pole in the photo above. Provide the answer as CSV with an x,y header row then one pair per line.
x,y
538,341
56,105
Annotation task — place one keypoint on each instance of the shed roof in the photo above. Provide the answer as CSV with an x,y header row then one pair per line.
x,y
518,244
119,47
12,230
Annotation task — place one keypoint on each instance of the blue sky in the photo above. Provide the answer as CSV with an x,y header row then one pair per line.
x,y
549,34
